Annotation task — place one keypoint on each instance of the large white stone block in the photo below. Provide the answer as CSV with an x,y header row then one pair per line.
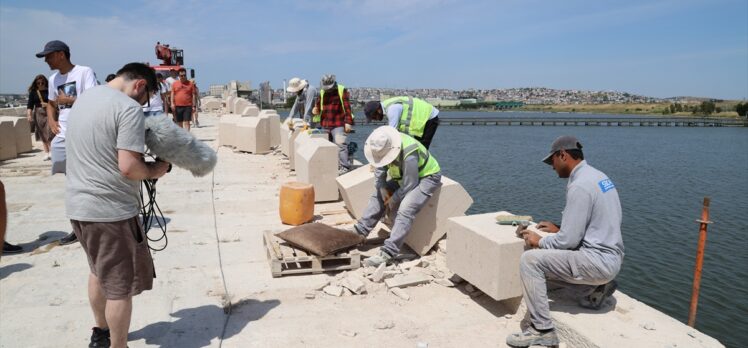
x,y
485,254
317,164
226,132
211,104
251,135
250,110
300,141
448,201
356,187
22,131
228,104
7,141
273,125
429,226
239,105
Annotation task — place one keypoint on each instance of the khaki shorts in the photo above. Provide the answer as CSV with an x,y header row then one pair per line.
x,y
118,255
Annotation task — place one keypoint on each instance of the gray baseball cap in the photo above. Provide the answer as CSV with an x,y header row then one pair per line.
x,y
564,142
53,46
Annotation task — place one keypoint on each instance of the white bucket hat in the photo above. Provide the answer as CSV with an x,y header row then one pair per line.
x,y
382,146
296,84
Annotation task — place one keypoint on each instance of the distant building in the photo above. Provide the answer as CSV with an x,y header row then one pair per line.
x,y
266,93
217,90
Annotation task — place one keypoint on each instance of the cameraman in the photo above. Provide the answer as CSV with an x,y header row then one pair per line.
x,y
105,143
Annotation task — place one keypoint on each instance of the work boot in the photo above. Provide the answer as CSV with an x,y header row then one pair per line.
x,y
11,249
596,299
377,260
533,337
69,239
99,338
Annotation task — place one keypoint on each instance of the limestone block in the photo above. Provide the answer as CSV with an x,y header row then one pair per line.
x,y
317,164
250,110
356,187
273,124
251,135
429,226
7,140
228,103
299,141
239,105
485,254
285,137
226,132
22,131
268,112
211,104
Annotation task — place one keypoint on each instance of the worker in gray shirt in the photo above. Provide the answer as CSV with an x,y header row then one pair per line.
x,y
305,94
585,253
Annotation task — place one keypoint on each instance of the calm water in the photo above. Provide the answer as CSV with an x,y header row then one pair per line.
x,y
662,175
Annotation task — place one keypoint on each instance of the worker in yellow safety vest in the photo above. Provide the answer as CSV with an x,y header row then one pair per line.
x,y
412,116
414,177
332,112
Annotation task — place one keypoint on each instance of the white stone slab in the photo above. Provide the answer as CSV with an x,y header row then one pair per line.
x,y
299,138
356,187
7,141
251,135
22,131
485,254
317,164
250,110
226,126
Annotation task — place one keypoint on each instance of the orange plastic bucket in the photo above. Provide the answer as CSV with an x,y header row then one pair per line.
x,y
296,203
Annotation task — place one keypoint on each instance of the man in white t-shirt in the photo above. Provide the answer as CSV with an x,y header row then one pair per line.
x,y
65,86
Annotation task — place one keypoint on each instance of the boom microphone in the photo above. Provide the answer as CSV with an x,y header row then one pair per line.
x,y
177,146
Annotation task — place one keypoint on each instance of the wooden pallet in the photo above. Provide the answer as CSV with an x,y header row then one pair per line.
x,y
285,259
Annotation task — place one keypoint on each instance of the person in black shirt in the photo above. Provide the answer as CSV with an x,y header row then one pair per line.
x,y
36,112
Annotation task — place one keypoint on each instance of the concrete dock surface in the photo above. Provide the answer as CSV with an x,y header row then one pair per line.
x,y
214,286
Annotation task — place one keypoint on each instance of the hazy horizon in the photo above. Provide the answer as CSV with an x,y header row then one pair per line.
x,y
651,48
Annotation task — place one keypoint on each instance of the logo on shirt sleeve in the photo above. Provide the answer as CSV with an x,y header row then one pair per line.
x,y
606,185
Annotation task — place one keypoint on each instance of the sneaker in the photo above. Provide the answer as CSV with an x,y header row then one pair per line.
x,y
377,260
596,299
99,338
47,157
69,239
532,337
11,249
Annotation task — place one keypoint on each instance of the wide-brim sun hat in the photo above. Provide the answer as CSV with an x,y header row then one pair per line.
x,y
382,146
296,84
327,81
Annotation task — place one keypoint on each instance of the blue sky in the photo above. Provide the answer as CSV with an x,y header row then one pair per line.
x,y
653,48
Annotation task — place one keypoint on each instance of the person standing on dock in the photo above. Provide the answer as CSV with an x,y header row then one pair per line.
x,y
585,253
183,100
102,199
305,95
415,175
412,116
334,115
66,85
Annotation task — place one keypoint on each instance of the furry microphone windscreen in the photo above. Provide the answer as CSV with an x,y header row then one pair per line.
x,y
175,145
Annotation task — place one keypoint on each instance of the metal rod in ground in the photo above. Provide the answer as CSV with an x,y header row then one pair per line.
x,y
703,222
